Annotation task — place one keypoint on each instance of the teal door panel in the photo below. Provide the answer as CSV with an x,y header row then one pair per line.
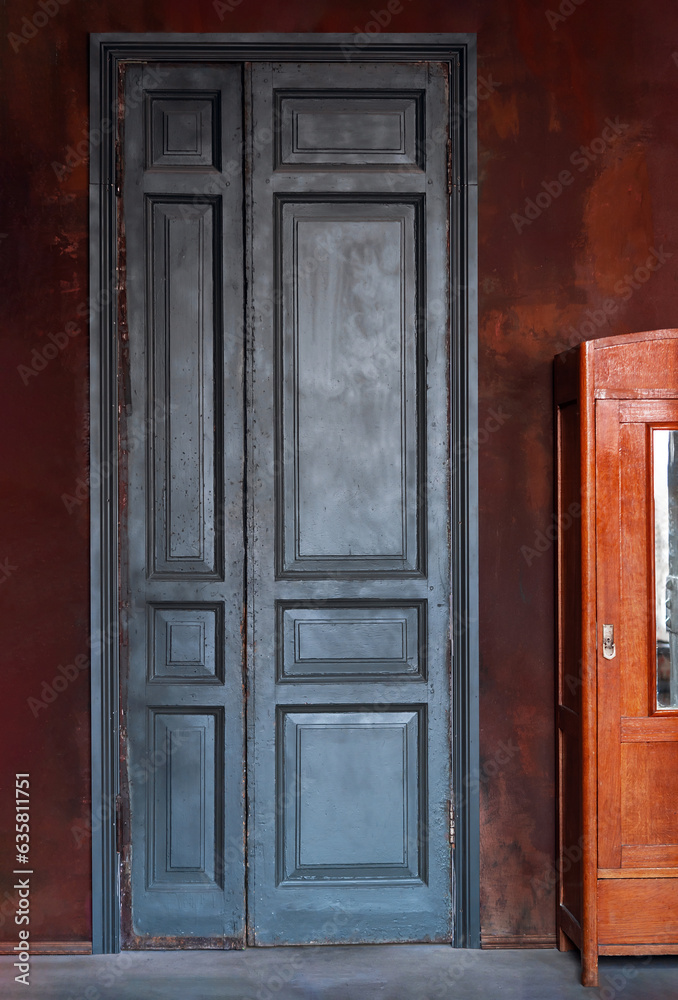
x,y
182,450
348,565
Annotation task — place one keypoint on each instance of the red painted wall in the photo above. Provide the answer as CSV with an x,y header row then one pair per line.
x,y
552,83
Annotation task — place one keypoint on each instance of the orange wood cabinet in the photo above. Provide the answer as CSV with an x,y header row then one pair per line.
x,y
616,425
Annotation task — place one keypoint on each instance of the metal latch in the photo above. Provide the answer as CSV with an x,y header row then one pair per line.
x,y
609,648
452,831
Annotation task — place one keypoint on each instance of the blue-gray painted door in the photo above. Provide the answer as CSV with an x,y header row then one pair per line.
x,y
183,545
285,436
348,453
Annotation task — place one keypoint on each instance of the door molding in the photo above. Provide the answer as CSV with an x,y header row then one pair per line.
x,y
108,54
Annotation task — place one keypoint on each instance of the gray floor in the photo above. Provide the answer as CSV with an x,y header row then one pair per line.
x,y
387,972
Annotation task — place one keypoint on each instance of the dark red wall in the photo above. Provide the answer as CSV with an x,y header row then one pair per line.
x,y
551,86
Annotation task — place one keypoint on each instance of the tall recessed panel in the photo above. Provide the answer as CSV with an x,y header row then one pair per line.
x,y
350,463
350,788
185,799
185,348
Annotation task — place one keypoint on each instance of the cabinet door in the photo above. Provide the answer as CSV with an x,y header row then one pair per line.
x,y
637,559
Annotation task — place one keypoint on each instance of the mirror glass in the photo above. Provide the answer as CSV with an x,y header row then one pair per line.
x,y
665,451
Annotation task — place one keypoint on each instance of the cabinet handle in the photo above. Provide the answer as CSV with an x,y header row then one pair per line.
x,y
609,648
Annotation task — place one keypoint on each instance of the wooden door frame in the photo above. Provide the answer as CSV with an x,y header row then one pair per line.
x,y
108,54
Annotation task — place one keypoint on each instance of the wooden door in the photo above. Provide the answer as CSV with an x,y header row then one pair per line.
x,y
637,548
183,544
285,530
349,764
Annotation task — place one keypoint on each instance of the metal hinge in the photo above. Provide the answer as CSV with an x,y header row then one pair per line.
x,y
449,166
118,824
450,806
118,167
609,648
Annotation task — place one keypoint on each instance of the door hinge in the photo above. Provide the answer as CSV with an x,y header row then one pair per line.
x,y
450,806
118,167
449,166
118,824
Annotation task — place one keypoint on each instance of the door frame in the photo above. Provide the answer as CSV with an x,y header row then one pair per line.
x,y
108,53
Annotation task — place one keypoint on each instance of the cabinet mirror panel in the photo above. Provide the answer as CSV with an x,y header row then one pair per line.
x,y
665,460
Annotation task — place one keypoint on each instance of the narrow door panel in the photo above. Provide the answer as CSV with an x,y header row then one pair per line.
x,y
349,767
183,518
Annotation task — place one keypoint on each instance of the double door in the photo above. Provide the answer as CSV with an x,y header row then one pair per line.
x,y
285,512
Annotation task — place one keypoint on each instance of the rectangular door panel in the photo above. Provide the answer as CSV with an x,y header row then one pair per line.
x,y
187,643
338,129
349,397
649,775
363,640
329,833
185,806
185,350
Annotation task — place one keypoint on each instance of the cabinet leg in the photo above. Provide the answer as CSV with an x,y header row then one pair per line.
x,y
589,968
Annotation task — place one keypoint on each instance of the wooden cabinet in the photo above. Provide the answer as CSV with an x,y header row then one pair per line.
x,y
616,413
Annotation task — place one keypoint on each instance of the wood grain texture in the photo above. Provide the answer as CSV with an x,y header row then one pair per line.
x,y
638,911
629,367
653,855
568,496
649,792
656,872
608,547
631,902
589,949
657,728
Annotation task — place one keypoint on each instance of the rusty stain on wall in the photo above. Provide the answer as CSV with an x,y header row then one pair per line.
x,y
555,89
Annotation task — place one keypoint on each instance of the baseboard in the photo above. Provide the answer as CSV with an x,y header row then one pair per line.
x,y
517,941
50,947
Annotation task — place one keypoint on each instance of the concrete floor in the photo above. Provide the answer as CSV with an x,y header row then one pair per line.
x,y
370,972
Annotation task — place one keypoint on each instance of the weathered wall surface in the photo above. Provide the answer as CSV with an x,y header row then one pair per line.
x,y
578,238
